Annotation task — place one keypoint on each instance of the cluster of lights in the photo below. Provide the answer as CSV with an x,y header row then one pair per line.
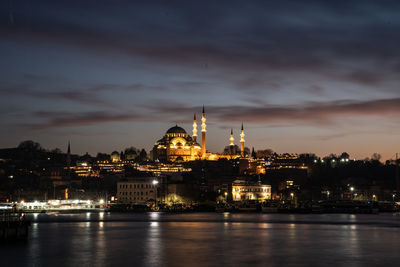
x,y
333,160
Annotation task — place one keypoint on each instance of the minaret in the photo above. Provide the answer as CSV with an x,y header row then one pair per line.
x,y
69,155
231,144
253,153
69,159
242,142
194,128
203,134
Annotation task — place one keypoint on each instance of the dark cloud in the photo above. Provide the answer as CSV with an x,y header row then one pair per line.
x,y
365,77
319,113
62,88
68,119
307,37
31,90
324,113
316,90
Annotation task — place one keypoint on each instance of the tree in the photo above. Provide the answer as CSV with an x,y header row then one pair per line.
x,y
30,145
332,156
264,153
131,150
376,157
345,155
307,158
253,153
143,155
102,156
56,151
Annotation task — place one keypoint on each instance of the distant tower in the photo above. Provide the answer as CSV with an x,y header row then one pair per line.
x,y
253,153
242,142
69,160
203,134
69,156
231,144
194,128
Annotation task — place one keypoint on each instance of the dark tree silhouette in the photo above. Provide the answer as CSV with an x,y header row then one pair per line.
x,y
30,145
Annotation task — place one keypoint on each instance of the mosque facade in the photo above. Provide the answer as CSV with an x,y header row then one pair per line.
x,y
178,145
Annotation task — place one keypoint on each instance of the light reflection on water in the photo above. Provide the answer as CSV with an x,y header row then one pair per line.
x,y
208,239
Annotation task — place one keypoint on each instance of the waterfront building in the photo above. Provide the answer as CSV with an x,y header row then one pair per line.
x,y
137,190
245,190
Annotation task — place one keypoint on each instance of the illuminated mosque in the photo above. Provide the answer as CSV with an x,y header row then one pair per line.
x,y
178,145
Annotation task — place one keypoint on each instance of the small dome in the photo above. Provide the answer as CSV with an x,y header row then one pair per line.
x,y
176,129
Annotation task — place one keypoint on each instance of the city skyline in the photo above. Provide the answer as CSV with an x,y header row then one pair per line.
x,y
303,77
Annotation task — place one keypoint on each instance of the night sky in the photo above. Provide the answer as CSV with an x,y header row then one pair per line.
x,y
303,76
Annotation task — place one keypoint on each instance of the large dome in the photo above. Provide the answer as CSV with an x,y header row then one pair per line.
x,y
176,129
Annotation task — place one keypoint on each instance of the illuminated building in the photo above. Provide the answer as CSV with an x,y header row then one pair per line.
x,y
286,161
243,190
137,190
256,166
84,169
110,167
115,157
177,145
162,168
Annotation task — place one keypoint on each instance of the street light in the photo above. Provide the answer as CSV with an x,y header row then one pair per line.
x,y
351,194
393,196
328,193
155,182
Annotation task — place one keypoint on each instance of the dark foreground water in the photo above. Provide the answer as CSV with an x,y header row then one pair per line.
x,y
207,239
